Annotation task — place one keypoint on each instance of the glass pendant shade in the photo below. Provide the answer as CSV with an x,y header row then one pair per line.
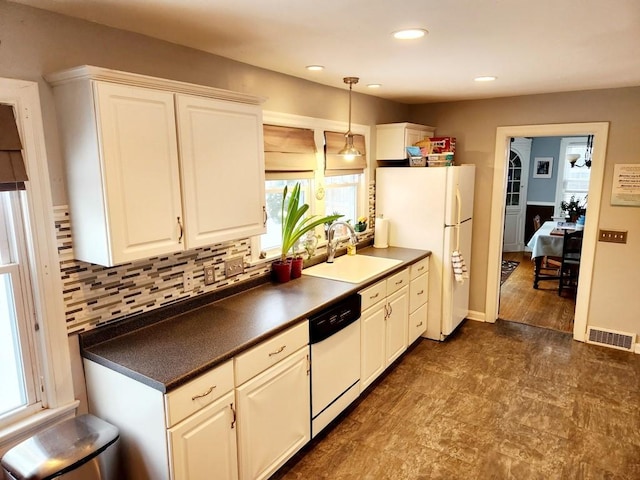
x,y
349,152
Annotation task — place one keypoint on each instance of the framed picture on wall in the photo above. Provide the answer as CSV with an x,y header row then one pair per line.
x,y
542,167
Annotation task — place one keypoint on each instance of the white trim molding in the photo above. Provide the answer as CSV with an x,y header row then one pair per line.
x,y
600,131
51,337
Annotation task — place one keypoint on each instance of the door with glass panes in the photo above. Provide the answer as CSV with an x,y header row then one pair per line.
x,y
516,198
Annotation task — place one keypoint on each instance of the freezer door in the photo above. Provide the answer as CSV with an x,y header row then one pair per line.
x,y
462,180
455,295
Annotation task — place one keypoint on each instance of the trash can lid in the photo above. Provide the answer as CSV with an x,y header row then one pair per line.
x,y
60,448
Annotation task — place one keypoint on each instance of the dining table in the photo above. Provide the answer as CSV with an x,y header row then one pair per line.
x,y
547,242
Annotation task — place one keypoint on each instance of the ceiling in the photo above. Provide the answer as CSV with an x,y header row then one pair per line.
x,y
530,46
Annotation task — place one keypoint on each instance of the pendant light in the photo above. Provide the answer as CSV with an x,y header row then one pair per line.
x,y
349,152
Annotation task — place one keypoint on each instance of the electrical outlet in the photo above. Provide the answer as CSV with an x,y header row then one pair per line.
x,y
187,281
209,275
233,267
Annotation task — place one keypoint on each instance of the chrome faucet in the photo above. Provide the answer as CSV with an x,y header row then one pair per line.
x,y
332,244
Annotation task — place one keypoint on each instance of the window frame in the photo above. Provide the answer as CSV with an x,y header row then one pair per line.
x,y
316,200
565,144
50,341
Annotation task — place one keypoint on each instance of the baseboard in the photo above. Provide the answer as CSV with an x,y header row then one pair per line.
x,y
477,316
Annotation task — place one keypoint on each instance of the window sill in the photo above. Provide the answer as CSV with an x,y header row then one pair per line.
x,y
25,428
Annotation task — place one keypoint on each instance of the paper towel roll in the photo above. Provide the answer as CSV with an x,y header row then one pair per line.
x,y
381,233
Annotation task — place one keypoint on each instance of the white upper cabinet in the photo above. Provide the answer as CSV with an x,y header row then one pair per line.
x,y
393,138
147,178
222,164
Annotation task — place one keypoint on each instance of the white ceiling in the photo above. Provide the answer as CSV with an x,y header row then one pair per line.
x,y
531,46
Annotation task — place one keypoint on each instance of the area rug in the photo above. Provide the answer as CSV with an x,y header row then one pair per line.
x,y
508,266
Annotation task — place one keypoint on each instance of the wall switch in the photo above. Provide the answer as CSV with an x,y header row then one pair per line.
x,y
233,267
187,281
613,236
209,275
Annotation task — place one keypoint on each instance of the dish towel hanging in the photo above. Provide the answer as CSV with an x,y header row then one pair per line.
x,y
459,267
460,271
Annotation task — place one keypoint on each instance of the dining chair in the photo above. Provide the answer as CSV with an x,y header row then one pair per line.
x,y
570,266
547,262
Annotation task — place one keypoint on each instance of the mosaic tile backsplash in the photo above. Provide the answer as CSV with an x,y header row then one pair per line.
x,y
95,295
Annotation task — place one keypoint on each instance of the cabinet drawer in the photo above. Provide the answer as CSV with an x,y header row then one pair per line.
x,y
374,294
270,352
417,323
418,292
198,393
397,281
420,268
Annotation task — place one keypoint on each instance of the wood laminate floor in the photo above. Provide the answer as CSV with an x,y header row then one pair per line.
x,y
542,307
494,401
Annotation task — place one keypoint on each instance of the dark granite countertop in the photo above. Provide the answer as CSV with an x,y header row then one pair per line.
x,y
168,352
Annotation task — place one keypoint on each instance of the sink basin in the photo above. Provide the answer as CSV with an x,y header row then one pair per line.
x,y
352,268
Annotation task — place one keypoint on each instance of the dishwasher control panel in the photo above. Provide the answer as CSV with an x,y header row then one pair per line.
x,y
334,318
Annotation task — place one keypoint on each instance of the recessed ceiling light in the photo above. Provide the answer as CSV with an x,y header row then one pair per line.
x,y
485,78
374,85
314,68
410,33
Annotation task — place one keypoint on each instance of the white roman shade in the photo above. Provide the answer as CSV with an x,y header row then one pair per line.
x,y
13,173
289,149
338,165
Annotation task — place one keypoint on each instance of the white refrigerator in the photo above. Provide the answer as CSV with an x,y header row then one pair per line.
x,y
432,209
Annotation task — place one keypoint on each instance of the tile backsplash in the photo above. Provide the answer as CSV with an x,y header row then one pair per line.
x,y
95,295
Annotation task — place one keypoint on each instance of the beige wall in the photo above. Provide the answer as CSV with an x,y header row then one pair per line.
x,y
36,42
614,301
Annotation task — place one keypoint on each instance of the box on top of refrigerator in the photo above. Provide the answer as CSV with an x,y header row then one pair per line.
x,y
443,144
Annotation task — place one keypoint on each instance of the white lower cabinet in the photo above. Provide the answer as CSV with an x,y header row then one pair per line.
x,y
274,418
383,325
203,446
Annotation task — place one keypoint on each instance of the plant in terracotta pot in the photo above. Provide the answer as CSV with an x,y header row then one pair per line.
x,y
295,224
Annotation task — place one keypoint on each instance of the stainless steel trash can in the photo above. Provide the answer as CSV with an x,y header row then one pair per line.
x,y
81,448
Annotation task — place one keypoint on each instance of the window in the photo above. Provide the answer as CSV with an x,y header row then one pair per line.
x,y
575,181
295,151
17,363
342,196
270,242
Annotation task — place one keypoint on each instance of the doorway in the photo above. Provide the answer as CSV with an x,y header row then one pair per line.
x,y
503,135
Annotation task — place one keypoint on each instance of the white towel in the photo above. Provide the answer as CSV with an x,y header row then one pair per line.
x,y
459,268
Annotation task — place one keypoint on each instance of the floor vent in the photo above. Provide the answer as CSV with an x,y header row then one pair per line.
x,y
611,338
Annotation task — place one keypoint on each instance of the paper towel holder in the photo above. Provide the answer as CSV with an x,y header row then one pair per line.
x,y
381,232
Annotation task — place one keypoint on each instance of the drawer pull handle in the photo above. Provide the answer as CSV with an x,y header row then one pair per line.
x,y
399,282
420,292
419,325
421,268
278,351
195,397
374,296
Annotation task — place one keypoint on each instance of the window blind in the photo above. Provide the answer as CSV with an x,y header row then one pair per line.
x,y
289,149
13,173
338,165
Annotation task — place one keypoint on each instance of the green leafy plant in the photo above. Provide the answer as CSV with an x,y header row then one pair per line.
x,y
294,221
574,208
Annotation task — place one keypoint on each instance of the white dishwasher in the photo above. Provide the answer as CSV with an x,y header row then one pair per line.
x,y
334,335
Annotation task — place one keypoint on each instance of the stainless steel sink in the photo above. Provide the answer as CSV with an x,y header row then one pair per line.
x,y
352,268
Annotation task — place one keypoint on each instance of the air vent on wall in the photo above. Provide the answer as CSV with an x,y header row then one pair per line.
x,y
611,338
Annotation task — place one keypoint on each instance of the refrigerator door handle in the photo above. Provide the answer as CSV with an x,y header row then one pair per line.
x,y
459,202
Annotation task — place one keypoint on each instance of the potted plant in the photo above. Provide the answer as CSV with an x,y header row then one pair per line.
x,y
573,208
361,224
295,224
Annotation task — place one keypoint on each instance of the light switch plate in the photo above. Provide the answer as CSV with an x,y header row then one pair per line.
x,y
613,236
187,281
209,275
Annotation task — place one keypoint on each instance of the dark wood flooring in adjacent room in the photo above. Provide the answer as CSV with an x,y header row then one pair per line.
x,y
494,401
520,302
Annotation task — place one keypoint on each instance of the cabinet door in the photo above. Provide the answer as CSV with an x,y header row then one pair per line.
x,y
372,343
413,136
396,324
141,174
204,445
222,162
274,416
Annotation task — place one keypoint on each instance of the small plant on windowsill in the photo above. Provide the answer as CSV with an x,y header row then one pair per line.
x,y
361,224
573,208
295,224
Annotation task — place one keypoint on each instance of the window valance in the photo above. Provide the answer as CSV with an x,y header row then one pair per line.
x,y
338,165
13,173
289,149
